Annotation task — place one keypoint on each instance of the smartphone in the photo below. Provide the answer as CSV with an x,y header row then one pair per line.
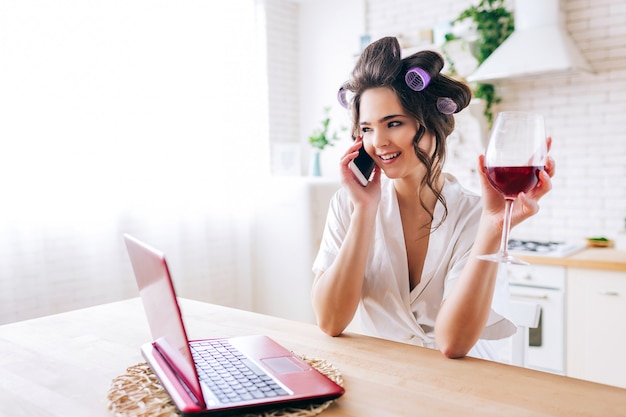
x,y
362,166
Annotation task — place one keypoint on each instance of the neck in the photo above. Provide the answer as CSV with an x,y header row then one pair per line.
x,y
407,190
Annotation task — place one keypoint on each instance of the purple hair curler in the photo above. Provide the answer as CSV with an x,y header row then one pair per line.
x,y
341,97
446,105
417,79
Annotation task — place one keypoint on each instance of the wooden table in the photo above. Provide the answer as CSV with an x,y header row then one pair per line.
x,y
62,365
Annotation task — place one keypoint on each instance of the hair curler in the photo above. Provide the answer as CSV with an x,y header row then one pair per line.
x,y
446,105
341,97
417,79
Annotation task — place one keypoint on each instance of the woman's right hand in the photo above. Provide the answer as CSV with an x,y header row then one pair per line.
x,y
361,196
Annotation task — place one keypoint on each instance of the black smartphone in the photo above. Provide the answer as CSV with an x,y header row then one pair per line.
x,y
362,166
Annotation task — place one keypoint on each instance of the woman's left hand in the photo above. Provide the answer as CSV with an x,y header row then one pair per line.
x,y
526,204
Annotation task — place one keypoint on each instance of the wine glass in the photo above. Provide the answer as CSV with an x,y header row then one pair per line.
x,y
515,155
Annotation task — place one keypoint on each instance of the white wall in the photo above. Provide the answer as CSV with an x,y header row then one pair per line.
x,y
585,114
329,42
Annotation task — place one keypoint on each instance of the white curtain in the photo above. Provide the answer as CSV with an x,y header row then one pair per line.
x,y
139,116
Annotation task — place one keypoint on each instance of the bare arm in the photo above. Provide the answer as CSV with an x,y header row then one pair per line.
x,y
464,313
336,292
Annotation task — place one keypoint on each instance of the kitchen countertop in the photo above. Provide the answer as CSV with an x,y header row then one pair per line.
x,y
608,259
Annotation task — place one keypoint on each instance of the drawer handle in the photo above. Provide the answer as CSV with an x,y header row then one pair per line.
x,y
531,296
608,292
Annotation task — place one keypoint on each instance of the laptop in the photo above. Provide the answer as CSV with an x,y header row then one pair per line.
x,y
217,376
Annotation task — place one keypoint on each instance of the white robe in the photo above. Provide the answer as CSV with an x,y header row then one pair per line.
x,y
388,309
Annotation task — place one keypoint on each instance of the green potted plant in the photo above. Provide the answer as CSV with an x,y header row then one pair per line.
x,y
321,138
493,24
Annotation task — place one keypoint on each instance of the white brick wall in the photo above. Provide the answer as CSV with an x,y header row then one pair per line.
x,y
586,114
282,55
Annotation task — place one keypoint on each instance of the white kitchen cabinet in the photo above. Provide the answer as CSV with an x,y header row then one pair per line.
x,y
596,325
287,233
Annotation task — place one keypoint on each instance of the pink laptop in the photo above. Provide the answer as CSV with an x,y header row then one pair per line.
x,y
216,376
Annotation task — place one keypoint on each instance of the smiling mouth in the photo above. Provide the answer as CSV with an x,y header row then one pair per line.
x,y
389,157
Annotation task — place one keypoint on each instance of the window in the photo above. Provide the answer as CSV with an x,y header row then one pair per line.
x,y
125,114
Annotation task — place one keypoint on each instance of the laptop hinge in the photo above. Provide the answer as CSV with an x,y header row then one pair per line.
x,y
163,358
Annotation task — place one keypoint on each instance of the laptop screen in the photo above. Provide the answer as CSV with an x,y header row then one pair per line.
x,y
162,310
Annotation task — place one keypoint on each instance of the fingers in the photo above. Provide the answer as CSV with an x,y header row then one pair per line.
x,y
375,179
542,188
545,176
545,181
550,166
527,205
352,152
482,171
481,163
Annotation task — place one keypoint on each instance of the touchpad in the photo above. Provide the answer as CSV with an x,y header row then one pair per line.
x,y
283,365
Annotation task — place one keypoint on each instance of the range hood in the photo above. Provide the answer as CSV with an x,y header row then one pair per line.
x,y
539,46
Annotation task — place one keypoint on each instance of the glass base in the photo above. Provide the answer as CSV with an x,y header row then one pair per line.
x,y
502,258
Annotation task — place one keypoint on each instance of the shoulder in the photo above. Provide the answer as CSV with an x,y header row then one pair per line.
x,y
341,198
464,205
340,206
455,193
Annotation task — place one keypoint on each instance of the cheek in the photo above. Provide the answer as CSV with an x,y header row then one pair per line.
x,y
369,147
427,144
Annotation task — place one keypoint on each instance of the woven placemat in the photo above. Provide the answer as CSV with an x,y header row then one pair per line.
x,y
138,393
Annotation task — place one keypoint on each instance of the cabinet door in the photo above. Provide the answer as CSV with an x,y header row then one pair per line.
x,y
596,326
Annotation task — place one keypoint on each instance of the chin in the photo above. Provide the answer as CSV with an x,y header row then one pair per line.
x,y
390,175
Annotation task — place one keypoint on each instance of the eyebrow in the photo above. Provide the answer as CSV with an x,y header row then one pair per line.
x,y
384,119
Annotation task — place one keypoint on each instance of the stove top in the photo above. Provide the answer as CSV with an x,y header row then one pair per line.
x,y
538,248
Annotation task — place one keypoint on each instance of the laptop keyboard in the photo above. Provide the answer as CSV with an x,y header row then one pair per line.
x,y
230,375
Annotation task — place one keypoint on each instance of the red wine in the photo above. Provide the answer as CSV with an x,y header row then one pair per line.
x,y
511,181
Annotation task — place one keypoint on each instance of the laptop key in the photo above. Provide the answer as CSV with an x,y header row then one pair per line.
x,y
257,394
253,367
231,376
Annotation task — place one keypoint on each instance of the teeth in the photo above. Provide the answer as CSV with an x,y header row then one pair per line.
x,y
389,156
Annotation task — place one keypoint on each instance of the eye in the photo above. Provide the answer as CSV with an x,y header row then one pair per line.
x,y
395,123
365,129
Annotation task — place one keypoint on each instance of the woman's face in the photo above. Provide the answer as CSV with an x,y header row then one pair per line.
x,y
388,133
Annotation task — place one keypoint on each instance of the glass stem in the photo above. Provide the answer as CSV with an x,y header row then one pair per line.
x,y
506,224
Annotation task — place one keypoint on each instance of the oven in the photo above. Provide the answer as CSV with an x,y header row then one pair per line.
x,y
544,285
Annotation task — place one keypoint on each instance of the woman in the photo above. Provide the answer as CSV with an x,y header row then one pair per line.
x,y
402,250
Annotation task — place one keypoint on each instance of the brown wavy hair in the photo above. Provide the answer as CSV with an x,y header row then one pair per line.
x,y
381,65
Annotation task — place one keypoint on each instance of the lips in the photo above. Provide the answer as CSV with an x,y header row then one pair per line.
x,y
389,156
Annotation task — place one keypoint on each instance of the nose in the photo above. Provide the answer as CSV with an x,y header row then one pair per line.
x,y
379,139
